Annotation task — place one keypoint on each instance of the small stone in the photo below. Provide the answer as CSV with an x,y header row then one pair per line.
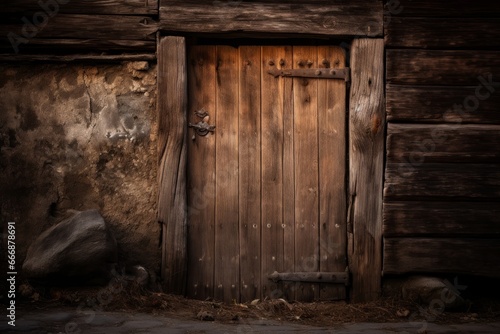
x,y
205,316
140,65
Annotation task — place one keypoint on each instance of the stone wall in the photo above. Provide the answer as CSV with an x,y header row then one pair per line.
x,y
80,136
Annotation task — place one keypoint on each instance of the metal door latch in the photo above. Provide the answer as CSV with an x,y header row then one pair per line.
x,y
202,128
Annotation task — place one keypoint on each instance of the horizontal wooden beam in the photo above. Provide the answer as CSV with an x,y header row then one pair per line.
x,y
425,143
115,7
432,8
410,219
77,57
453,33
442,255
444,181
444,68
433,104
319,17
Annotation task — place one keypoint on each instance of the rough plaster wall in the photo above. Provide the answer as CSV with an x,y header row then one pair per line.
x,y
81,137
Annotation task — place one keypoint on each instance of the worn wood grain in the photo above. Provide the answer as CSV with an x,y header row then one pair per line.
x,y
172,148
418,32
114,7
201,175
272,92
431,104
366,159
440,219
250,172
442,68
305,102
78,58
332,171
430,8
363,18
446,181
442,255
424,143
227,250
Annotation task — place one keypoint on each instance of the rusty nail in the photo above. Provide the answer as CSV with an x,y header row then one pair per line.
x,y
300,63
333,72
282,62
318,72
325,62
271,63
309,62
337,61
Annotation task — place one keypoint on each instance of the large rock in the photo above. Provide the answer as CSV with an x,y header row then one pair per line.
x,y
432,291
79,248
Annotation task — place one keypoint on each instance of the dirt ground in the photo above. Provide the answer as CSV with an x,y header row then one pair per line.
x,y
123,295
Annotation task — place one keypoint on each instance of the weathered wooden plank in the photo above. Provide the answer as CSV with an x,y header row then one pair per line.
x,y
227,250
444,104
447,181
172,148
407,219
418,32
445,68
272,92
293,17
53,7
332,171
78,58
305,102
442,255
250,172
201,175
366,159
430,8
419,143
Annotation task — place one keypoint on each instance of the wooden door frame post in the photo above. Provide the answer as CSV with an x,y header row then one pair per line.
x,y
366,166
172,150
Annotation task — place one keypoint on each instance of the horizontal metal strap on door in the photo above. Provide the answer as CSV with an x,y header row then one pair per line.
x,y
341,277
321,73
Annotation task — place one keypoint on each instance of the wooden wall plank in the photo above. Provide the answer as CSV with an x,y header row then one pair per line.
x,y
442,255
447,181
227,251
444,68
430,8
306,168
115,7
250,172
272,92
406,219
172,148
453,33
332,171
443,104
419,143
201,175
366,159
294,17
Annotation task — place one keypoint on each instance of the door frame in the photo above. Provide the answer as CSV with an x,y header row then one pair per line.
x,y
366,161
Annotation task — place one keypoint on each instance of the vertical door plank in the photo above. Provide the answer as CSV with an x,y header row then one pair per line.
x,y
249,172
227,250
332,171
305,92
366,162
201,175
272,170
172,149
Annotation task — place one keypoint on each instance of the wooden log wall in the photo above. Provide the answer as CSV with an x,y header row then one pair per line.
x,y
442,185
78,27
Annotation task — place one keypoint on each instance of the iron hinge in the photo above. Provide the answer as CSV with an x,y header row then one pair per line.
x,y
340,277
319,73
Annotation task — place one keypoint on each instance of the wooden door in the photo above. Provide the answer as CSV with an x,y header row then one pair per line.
x,y
266,188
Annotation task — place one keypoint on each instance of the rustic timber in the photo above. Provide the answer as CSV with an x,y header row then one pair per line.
x,y
249,151
319,17
442,255
78,58
444,68
318,277
114,7
320,73
332,161
468,33
446,181
407,219
366,159
419,143
201,179
432,104
172,147
431,8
